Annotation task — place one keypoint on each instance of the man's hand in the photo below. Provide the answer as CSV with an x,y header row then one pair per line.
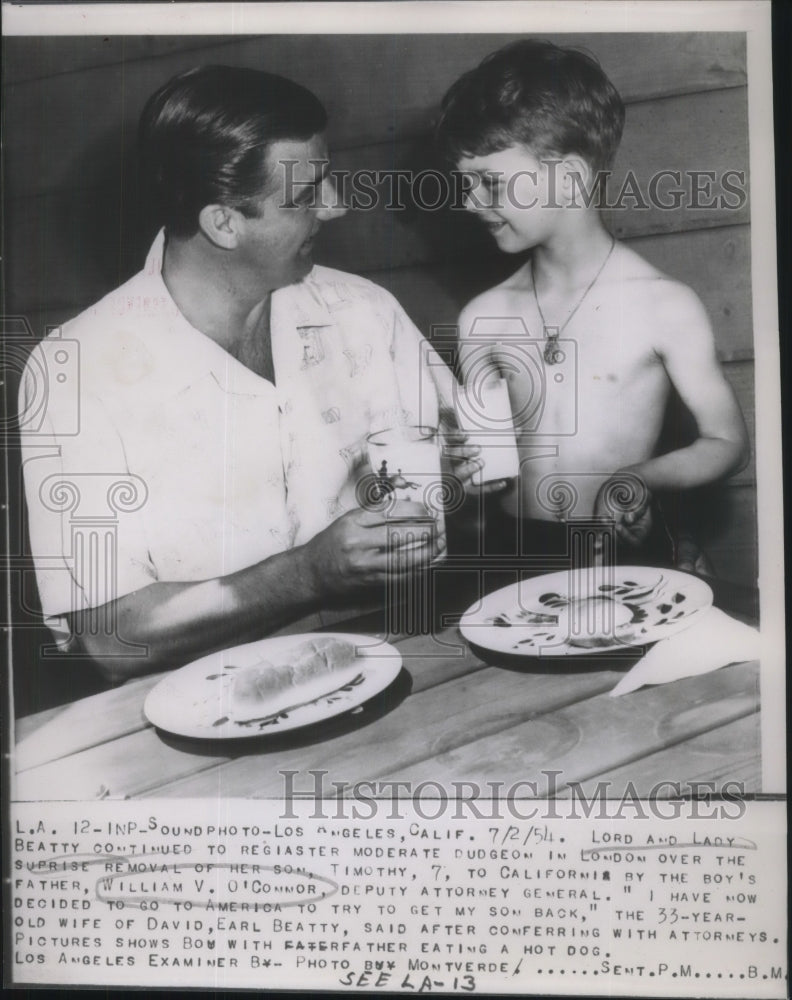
x,y
175,622
365,548
625,499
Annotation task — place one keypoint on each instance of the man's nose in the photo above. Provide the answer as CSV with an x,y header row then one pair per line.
x,y
330,204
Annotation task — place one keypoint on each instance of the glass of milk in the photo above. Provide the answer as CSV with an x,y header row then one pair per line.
x,y
405,460
484,414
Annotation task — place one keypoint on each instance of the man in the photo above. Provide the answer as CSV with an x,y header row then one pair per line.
x,y
229,388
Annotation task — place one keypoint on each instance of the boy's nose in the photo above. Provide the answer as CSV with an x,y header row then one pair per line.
x,y
476,201
468,203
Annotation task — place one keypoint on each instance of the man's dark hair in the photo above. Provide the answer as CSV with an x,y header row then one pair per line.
x,y
555,101
204,136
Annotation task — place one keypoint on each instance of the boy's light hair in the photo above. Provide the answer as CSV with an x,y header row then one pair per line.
x,y
555,101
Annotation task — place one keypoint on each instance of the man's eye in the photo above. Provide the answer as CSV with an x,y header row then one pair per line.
x,y
301,194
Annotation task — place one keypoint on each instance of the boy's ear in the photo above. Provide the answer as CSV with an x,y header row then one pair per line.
x,y
575,171
221,225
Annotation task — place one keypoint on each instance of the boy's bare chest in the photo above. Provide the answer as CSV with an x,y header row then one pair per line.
x,y
601,365
609,347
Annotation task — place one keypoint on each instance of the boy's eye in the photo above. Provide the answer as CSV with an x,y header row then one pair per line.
x,y
473,181
492,182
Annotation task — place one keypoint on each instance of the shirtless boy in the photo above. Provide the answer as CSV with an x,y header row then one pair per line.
x,y
590,336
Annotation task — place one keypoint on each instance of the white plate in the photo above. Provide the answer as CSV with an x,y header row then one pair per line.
x,y
660,603
196,700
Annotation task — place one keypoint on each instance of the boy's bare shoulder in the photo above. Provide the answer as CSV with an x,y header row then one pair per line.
x,y
501,302
664,300
643,278
650,300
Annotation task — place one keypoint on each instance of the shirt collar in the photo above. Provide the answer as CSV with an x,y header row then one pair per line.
x,y
304,297
301,304
184,354
193,355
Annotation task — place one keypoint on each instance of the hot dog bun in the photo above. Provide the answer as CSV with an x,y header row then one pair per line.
x,y
262,684
594,622
321,656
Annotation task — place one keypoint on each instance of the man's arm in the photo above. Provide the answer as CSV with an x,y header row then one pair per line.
x,y
179,622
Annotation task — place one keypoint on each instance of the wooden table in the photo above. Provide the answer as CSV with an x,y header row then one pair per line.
x,y
449,716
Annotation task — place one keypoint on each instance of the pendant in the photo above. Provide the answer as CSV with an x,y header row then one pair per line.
x,y
553,354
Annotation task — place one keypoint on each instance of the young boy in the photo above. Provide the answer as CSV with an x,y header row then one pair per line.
x,y
590,336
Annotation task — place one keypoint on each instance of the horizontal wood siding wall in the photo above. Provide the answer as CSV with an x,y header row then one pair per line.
x,y
74,227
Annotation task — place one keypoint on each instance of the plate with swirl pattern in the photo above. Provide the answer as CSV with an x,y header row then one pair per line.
x,y
597,609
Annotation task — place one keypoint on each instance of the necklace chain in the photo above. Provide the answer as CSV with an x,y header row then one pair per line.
x,y
552,353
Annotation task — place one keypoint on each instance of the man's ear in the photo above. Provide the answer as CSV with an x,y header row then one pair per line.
x,y
220,225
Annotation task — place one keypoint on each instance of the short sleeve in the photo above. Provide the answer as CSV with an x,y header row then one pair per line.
x,y
85,507
426,382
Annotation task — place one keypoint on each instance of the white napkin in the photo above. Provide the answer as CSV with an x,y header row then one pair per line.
x,y
714,641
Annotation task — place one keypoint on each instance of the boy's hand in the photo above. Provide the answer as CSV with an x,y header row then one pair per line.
x,y
692,559
625,499
465,463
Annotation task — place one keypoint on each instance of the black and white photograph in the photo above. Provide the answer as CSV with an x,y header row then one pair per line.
x,y
394,477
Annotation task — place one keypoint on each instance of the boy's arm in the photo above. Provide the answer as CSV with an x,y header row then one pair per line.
x,y
687,349
478,325
477,357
